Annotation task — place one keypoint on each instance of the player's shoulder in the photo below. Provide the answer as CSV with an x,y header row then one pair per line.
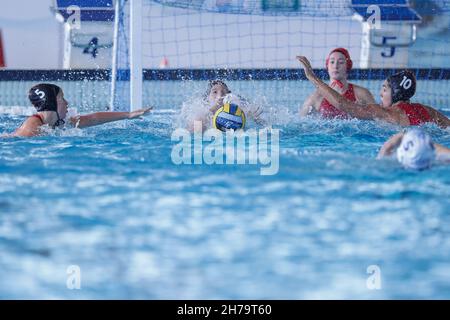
x,y
29,127
34,121
359,89
363,94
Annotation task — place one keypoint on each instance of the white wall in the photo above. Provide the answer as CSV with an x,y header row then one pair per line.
x,y
31,34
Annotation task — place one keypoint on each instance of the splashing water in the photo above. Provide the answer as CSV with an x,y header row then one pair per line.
x,y
109,200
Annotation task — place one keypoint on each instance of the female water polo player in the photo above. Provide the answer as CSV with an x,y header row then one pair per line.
x,y
213,100
338,64
51,106
414,149
395,107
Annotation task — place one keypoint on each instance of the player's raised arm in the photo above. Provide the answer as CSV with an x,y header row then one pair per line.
x,y
353,108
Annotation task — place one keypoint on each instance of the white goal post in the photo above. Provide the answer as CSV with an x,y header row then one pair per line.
x,y
126,76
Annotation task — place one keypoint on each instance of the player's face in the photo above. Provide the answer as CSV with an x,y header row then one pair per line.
x,y
217,92
62,104
337,66
386,94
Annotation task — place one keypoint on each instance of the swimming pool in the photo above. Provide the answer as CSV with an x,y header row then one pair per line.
x,y
109,200
89,96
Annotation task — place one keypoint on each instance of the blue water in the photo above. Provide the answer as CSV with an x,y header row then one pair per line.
x,y
109,200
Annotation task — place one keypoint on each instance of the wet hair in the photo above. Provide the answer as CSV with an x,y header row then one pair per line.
x,y
43,96
403,85
211,84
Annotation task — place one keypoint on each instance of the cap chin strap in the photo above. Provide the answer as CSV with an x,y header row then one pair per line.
x,y
58,122
338,83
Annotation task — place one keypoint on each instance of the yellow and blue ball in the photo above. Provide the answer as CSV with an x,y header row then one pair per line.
x,y
229,116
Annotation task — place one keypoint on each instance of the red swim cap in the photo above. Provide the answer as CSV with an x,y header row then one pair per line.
x,y
347,58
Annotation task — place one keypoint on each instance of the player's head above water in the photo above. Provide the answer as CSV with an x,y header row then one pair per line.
x,y
48,97
403,86
416,150
398,87
338,64
43,96
216,89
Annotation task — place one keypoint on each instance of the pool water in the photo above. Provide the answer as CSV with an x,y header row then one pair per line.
x,y
109,200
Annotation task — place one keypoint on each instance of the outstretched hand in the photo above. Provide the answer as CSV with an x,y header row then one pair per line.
x,y
139,113
306,67
391,145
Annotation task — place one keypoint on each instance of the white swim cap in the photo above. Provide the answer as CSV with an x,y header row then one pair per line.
x,y
416,151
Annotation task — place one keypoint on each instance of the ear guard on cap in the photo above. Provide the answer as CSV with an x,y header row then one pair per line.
x,y
43,96
403,86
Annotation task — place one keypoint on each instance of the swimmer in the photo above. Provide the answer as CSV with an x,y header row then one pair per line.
x,y
51,106
213,99
414,149
396,108
338,65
